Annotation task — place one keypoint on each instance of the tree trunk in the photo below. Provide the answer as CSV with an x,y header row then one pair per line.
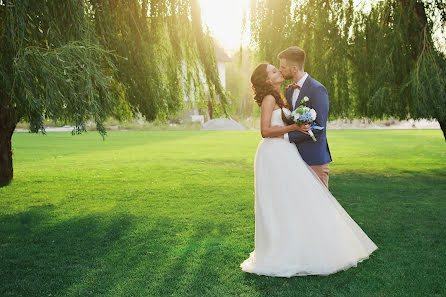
x,y
7,125
443,127
210,110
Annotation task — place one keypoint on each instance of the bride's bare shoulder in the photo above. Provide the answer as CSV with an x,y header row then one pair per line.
x,y
268,101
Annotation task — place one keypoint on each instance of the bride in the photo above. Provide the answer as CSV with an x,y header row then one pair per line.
x,y
300,228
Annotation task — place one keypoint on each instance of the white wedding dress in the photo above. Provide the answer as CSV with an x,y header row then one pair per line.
x,y
300,228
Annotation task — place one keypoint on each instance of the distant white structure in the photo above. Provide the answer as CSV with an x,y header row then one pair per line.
x,y
222,59
193,113
222,124
197,118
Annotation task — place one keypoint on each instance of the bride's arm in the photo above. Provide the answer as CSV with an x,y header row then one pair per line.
x,y
267,131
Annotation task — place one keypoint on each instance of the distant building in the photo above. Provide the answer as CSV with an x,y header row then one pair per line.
x,y
222,59
192,111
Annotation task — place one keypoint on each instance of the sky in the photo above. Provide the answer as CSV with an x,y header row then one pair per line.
x,y
224,19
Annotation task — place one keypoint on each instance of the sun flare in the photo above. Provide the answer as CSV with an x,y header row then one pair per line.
x,y
224,19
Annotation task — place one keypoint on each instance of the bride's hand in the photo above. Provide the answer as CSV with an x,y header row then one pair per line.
x,y
304,128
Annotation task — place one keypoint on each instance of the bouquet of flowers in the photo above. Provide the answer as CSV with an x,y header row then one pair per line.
x,y
303,114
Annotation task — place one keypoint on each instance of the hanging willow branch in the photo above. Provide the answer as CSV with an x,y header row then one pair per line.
x,y
63,83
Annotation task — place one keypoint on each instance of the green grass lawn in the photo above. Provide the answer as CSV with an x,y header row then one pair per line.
x,y
172,214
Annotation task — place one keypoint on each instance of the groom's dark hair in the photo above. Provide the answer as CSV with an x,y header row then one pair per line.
x,y
294,55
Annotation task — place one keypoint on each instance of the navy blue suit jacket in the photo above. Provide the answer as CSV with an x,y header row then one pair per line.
x,y
313,153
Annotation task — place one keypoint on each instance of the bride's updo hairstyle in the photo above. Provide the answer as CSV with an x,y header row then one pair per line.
x,y
262,89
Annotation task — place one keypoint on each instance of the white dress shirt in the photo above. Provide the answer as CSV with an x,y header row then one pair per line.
x,y
296,93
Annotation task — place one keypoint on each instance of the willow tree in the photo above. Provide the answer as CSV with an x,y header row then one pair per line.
x,y
80,60
396,69
51,66
375,64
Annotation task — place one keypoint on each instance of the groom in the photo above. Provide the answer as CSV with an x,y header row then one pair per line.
x,y
315,154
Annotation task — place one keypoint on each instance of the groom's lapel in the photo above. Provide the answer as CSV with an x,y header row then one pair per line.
x,y
288,96
304,89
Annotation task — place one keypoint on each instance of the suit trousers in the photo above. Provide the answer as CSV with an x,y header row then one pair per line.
x,y
322,172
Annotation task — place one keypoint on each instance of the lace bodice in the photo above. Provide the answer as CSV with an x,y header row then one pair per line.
x,y
276,117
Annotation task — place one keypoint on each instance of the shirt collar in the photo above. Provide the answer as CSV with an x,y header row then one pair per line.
x,y
300,83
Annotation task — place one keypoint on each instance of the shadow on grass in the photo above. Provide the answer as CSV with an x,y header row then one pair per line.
x,y
117,254
41,257
169,259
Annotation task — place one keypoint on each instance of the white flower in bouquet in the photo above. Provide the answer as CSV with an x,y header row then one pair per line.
x,y
313,114
295,115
